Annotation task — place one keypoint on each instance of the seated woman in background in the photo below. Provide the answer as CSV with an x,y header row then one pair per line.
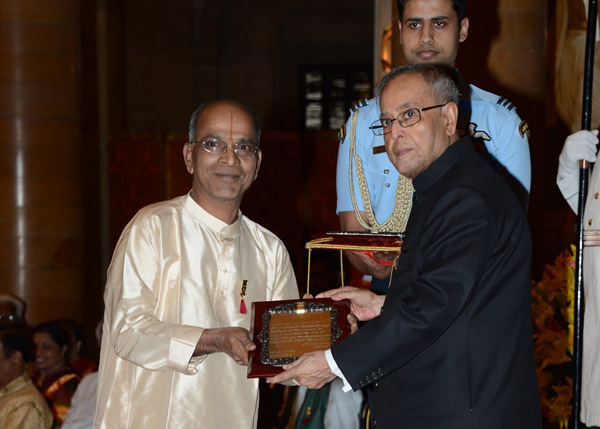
x,y
54,378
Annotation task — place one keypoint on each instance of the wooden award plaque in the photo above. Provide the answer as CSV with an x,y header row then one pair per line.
x,y
285,330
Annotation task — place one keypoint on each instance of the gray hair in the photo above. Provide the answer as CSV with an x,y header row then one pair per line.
x,y
436,77
193,129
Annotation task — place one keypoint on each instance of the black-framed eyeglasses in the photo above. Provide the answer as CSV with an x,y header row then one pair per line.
x,y
406,119
215,146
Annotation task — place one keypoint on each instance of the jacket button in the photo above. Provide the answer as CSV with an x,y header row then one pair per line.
x,y
374,424
361,383
375,385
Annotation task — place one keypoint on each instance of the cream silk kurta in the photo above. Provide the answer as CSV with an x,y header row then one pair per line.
x,y
176,271
22,406
590,377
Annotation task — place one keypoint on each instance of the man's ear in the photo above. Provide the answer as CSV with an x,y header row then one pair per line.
x,y
258,161
464,30
188,157
400,32
450,114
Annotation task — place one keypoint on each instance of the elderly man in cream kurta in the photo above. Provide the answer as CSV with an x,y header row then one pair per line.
x,y
176,340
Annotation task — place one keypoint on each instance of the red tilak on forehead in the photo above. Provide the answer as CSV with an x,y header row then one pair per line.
x,y
231,128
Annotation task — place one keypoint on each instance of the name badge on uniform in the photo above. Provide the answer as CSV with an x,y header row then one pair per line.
x,y
378,149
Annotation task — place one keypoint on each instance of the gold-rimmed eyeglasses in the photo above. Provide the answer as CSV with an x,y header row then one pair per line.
x,y
215,146
406,119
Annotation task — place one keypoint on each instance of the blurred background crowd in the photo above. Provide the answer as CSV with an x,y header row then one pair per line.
x,y
45,381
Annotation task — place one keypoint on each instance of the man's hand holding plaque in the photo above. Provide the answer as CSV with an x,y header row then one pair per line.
x,y
312,369
233,341
283,331
364,304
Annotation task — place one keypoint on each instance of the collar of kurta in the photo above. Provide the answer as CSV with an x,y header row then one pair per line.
x,y
14,385
455,152
217,225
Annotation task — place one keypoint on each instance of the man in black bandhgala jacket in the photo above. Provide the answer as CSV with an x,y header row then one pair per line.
x,y
451,344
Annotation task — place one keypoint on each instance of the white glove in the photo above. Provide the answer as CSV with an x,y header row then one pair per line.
x,y
580,145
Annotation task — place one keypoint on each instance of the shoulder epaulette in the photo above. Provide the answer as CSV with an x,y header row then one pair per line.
x,y
504,102
361,103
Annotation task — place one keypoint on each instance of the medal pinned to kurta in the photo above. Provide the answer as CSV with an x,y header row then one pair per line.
x,y
243,309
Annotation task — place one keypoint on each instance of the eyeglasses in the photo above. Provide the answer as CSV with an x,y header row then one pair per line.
x,y
406,119
217,146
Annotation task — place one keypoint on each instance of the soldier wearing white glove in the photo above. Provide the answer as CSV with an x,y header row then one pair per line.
x,y
580,145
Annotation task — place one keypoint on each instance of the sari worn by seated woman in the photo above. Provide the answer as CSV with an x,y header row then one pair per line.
x,y
58,388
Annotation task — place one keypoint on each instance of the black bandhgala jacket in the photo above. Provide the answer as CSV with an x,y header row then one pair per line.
x,y
453,346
